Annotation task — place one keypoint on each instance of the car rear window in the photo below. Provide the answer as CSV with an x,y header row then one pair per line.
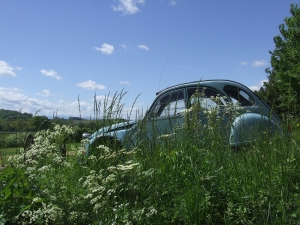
x,y
238,95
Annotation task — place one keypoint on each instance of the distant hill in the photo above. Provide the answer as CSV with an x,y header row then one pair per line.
x,y
5,114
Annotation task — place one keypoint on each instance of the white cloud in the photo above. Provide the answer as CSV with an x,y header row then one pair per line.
x,y
105,49
258,63
15,90
6,70
135,111
124,82
15,101
11,100
51,73
103,98
143,47
45,93
257,86
173,3
91,85
124,47
244,63
128,7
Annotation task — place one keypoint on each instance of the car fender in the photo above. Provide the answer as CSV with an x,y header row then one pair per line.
x,y
249,126
118,135
118,132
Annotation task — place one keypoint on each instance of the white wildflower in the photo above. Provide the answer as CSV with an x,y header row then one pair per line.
x,y
92,158
127,167
151,212
88,196
166,135
36,200
97,199
110,178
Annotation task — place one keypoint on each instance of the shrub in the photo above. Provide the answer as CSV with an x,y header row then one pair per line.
x,y
14,140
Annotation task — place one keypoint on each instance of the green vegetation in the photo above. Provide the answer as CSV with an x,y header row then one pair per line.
x,y
183,180
282,89
190,177
4,114
10,123
5,153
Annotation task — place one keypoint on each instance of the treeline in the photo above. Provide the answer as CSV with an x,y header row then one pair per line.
x,y
11,114
33,124
11,121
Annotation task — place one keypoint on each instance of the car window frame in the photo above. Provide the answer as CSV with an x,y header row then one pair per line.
x,y
236,100
223,100
158,98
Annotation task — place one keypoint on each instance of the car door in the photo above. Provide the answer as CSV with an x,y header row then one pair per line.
x,y
210,103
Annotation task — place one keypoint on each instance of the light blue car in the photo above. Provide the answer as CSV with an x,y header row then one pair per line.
x,y
168,113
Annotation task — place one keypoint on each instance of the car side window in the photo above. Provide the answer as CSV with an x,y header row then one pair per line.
x,y
169,104
207,98
237,95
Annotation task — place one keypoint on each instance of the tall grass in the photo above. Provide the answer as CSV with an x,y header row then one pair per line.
x,y
189,177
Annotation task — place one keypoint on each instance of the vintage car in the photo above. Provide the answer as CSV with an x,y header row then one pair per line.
x,y
168,112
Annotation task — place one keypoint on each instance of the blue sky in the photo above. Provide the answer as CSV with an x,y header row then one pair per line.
x,y
51,52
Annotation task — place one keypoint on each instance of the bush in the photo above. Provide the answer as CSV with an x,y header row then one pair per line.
x,y
14,140
77,135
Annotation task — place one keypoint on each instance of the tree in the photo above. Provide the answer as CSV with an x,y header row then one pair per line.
x,y
282,91
38,123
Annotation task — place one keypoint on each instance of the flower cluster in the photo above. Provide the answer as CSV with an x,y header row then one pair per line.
x,y
45,214
47,145
68,190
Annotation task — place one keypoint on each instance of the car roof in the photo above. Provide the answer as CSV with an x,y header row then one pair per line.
x,y
201,83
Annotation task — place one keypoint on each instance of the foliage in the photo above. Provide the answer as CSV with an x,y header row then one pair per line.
x,y
189,177
64,191
77,135
13,114
38,123
282,90
14,140
2,142
16,193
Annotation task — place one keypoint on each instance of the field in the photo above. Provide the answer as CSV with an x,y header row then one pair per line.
x,y
172,179
5,153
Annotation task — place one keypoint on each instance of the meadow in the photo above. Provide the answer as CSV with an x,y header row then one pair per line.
x,y
171,179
